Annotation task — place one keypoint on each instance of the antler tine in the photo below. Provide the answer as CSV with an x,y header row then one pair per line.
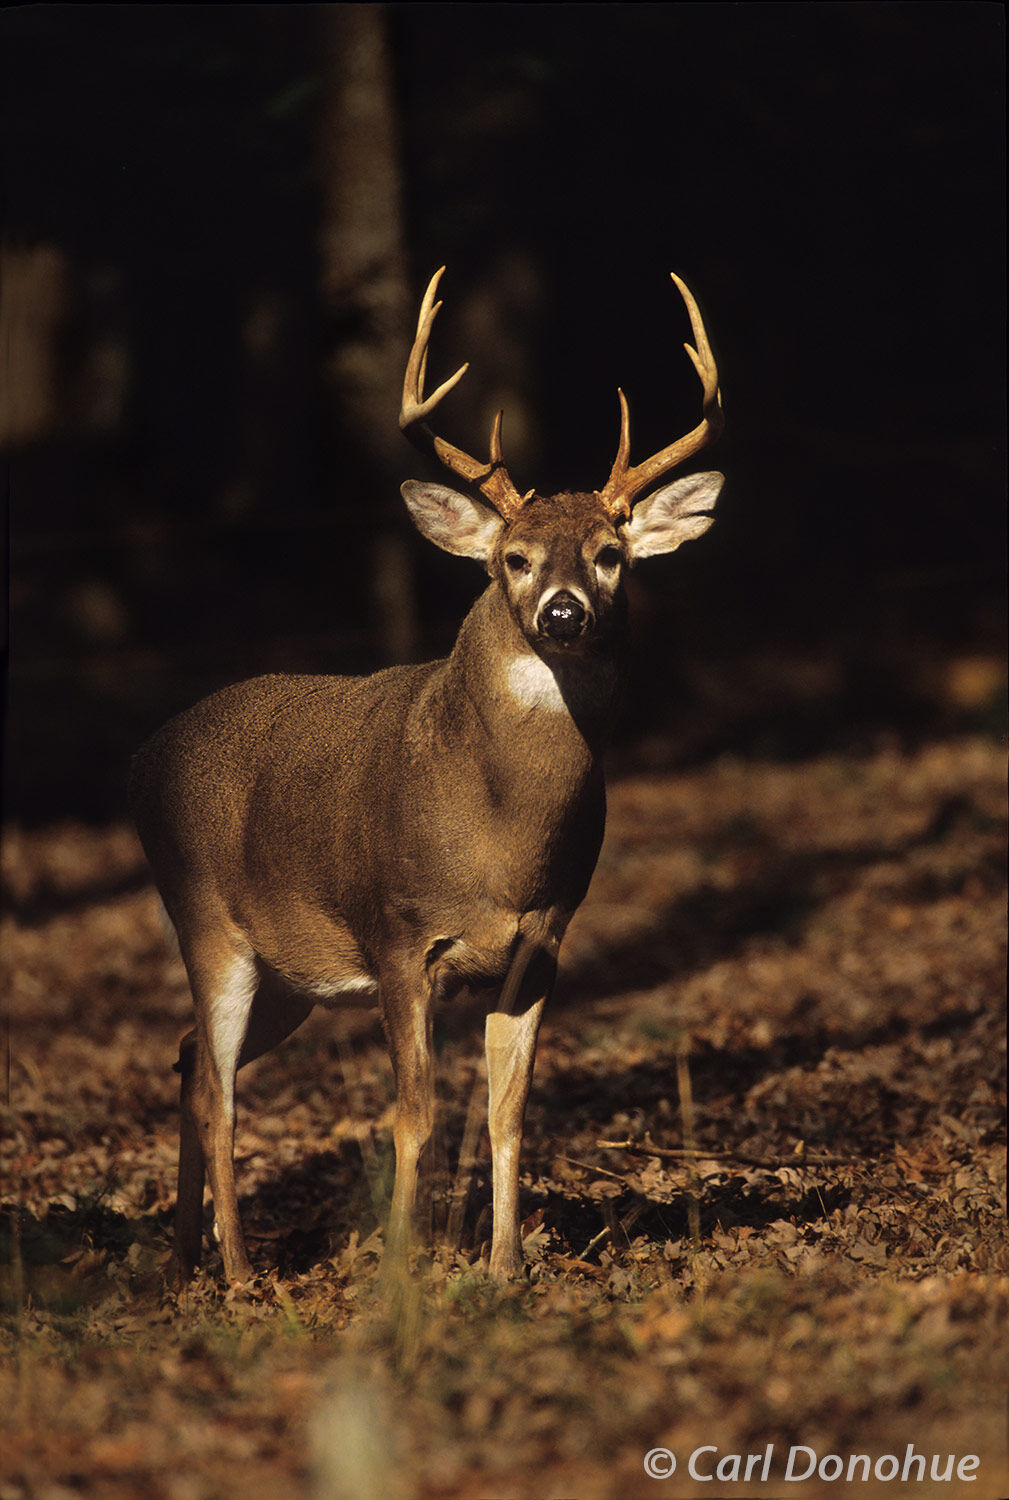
x,y
624,445
702,358
627,481
414,407
495,438
491,478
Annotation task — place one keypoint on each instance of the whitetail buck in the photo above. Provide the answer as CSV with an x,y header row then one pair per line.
x,y
412,834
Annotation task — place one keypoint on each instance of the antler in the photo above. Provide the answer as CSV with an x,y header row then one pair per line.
x,y
491,478
626,482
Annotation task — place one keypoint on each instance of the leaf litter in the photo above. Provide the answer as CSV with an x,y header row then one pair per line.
x,y
813,1252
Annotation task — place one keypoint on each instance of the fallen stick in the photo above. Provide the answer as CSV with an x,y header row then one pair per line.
x,y
688,1154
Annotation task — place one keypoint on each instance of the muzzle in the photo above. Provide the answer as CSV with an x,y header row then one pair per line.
x,y
563,617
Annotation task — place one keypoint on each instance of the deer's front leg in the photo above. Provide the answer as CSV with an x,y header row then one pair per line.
x,y
406,1007
192,1172
511,1051
510,1036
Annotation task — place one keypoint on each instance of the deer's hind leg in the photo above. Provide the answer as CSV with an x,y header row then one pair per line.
x,y
241,1012
224,980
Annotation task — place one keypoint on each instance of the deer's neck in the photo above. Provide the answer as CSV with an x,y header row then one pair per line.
x,y
529,709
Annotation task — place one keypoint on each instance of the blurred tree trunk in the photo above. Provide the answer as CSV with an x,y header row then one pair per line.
x,y
365,293
33,303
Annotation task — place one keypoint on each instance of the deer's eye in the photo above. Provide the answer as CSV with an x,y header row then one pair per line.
x,y
609,558
516,562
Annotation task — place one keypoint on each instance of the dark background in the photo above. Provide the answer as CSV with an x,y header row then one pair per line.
x,y
189,503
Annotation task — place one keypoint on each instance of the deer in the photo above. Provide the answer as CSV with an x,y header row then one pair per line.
x,y
404,838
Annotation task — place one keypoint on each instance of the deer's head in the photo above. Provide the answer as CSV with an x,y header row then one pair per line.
x,y
560,559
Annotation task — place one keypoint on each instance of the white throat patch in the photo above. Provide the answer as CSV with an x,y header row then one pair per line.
x,y
533,685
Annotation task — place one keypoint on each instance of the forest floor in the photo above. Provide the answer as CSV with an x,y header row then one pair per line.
x,y
764,1179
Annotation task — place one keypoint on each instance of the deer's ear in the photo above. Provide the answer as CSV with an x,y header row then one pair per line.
x,y
452,521
673,515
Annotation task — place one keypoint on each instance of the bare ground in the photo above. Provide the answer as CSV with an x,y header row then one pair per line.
x,y
765,1177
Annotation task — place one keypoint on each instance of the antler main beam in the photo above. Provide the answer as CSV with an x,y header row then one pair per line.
x,y
491,478
627,481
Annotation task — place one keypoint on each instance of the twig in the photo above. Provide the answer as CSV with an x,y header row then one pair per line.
x,y
687,1114
475,1113
690,1154
588,1166
355,1094
603,1234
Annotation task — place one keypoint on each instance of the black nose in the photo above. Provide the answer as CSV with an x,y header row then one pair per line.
x,y
562,618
